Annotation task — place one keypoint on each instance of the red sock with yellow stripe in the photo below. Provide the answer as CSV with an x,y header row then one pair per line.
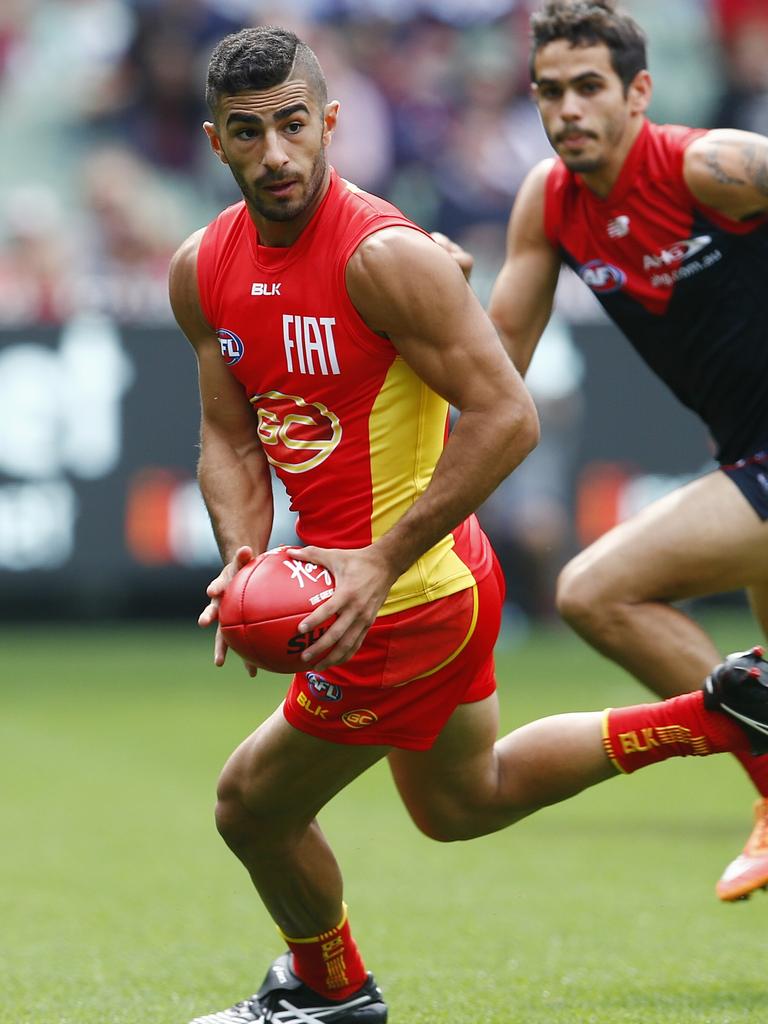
x,y
330,963
757,769
647,733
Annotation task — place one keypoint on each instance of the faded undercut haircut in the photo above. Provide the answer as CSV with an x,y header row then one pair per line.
x,y
258,58
585,23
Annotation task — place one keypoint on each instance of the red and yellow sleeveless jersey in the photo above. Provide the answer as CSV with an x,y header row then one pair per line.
x,y
353,433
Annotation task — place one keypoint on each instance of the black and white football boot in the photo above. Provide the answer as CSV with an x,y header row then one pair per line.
x,y
246,1012
285,999
739,687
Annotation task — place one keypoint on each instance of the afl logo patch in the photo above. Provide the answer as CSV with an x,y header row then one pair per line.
x,y
359,718
602,277
322,689
232,348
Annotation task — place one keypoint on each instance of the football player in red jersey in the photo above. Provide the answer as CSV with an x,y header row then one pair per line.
x,y
332,335
668,226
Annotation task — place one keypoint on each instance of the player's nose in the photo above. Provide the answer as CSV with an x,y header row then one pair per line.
x,y
274,156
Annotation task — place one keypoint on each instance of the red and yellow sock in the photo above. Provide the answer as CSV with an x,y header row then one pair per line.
x,y
757,769
648,733
330,963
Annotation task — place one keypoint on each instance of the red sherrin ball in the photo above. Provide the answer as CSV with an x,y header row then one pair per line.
x,y
263,605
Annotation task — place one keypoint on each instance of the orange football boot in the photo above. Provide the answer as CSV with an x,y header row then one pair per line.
x,y
750,869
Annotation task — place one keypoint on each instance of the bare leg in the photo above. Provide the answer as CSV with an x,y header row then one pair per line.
x,y
758,599
702,539
467,785
270,790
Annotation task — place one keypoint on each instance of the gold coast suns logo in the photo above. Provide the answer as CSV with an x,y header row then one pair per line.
x,y
297,435
359,718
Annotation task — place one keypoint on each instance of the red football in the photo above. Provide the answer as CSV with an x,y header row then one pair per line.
x,y
263,605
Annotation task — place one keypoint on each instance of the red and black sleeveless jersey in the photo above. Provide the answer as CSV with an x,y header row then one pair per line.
x,y
684,283
350,429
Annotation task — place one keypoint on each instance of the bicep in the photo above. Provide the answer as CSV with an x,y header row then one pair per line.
x,y
412,290
225,410
727,170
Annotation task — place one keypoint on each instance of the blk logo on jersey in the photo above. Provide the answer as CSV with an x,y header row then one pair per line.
x,y
259,288
602,277
232,348
296,435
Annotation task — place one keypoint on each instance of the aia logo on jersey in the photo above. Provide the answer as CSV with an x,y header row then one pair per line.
x,y
232,348
678,252
602,277
322,689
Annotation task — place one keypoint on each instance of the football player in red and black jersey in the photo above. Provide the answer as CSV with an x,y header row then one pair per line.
x,y
668,226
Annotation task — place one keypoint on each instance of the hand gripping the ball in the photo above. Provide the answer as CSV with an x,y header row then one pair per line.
x,y
264,604
215,592
363,578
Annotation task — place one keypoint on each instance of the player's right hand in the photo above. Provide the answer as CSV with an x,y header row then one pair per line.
x,y
210,614
464,259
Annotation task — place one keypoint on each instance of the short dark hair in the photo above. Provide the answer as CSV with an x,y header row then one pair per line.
x,y
258,58
588,23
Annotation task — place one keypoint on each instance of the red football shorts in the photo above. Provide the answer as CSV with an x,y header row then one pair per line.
x,y
411,672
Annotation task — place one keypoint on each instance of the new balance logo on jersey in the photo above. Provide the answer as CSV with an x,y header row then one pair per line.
x,y
309,344
259,288
618,227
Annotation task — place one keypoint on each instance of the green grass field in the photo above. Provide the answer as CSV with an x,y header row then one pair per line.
x,y
119,904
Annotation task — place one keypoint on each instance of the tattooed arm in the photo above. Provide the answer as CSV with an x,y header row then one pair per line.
x,y
728,170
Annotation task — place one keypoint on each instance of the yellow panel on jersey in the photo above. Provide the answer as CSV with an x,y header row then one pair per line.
x,y
406,435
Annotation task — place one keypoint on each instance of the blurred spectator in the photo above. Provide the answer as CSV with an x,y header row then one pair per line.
x,y
12,27
744,102
363,108
34,260
131,227
153,100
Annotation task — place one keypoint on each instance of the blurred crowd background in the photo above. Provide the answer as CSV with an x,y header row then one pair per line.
x,y
105,167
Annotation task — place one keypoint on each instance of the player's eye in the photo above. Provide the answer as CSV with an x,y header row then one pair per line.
x,y
246,134
294,127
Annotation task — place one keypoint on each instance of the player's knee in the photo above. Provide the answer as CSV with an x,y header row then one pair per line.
x,y
444,824
243,820
580,601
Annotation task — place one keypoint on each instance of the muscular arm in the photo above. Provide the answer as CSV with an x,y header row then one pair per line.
x,y
407,288
232,469
521,300
727,170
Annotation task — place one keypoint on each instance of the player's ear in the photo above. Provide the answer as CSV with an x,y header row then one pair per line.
x,y
640,92
330,118
213,137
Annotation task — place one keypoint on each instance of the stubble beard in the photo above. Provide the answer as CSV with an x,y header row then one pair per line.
x,y
278,211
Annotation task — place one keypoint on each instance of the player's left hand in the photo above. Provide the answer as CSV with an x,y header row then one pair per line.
x,y
210,614
363,578
464,259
